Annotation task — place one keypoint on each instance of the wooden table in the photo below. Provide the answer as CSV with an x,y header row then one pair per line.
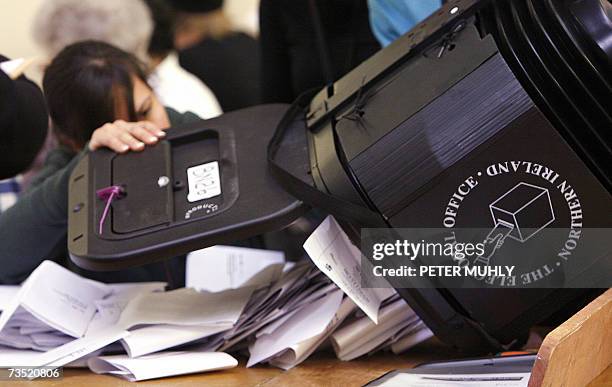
x,y
321,369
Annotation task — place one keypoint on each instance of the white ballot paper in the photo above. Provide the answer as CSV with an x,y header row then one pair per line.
x,y
11,357
58,298
299,352
130,289
178,307
219,268
185,307
362,336
155,338
161,364
309,322
335,255
7,294
78,348
181,316
403,379
23,330
68,317
110,308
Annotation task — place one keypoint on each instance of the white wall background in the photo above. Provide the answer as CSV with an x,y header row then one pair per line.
x,y
16,17
16,32
244,15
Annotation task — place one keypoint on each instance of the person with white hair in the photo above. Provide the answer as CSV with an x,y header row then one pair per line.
x,y
128,25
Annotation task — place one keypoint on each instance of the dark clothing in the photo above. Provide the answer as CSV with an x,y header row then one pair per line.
x,y
229,67
56,159
291,63
35,228
23,123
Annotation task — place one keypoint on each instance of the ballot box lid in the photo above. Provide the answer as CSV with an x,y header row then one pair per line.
x,y
206,183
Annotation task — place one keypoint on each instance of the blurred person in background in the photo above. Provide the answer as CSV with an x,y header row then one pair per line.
x,y
23,129
170,81
97,96
391,19
225,59
129,25
308,44
126,24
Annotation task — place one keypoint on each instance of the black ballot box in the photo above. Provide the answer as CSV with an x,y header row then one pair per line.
x,y
492,113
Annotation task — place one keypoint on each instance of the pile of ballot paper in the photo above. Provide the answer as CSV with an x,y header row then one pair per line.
x,y
237,301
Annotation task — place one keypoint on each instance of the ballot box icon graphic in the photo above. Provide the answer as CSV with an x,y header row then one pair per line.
x,y
526,207
519,214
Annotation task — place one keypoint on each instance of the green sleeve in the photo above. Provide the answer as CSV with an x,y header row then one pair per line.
x,y
32,229
56,159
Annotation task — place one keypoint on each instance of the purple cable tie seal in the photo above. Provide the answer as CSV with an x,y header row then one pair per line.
x,y
108,194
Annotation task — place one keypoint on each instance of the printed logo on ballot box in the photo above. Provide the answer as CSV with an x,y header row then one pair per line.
x,y
527,204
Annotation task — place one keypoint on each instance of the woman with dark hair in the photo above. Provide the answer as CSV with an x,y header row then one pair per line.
x,y
90,84
97,96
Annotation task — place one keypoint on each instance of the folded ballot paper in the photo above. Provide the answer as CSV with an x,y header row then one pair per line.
x,y
286,330
52,299
362,336
81,317
161,364
306,323
178,317
301,287
239,299
389,323
53,307
7,294
175,310
298,352
335,255
227,267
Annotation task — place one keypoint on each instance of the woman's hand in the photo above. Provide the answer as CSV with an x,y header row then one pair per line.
x,y
122,136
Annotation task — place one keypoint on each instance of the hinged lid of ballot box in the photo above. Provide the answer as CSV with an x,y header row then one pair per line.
x,y
207,183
